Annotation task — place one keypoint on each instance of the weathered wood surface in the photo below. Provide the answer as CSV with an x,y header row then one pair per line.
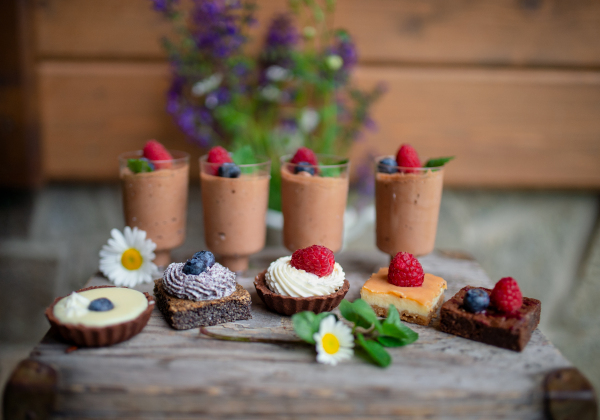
x,y
164,372
499,32
508,128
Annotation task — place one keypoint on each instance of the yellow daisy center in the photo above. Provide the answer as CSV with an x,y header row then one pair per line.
x,y
132,259
331,344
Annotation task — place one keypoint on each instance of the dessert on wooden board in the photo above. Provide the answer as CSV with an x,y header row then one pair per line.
x,y
416,295
407,201
100,316
308,280
234,202
501,317
154,183
314,192
200,292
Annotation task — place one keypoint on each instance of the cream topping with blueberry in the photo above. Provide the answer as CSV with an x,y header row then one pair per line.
x,y
101,307
283,278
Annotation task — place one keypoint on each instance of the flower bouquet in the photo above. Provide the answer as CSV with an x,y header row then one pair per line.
x,y
295,92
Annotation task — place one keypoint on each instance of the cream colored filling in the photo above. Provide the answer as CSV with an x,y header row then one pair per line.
x,y
384,300
128,305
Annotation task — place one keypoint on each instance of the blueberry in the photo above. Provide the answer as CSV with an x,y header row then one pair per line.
x,y
194,267
229,170
476,300
304,167
101,305
387,166
205,256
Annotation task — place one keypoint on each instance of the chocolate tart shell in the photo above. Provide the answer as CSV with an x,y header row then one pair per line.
x,y
99,336
287,305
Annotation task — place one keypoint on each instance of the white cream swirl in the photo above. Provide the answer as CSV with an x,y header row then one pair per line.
x,y
286,280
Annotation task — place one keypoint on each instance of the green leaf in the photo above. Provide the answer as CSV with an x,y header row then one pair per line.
x,y
434,163
244,155
307,323
391,341
360,313
139,165
335,171
392,327
375,351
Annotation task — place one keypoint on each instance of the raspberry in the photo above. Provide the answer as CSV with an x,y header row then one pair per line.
x,y
405,271
154,151
407,157
217,155
316,259
506,296
304,154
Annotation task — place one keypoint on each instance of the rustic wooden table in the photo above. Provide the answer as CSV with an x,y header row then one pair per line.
x,y
183,374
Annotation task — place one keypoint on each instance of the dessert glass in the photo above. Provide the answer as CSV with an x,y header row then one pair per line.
x,y
407,207
313,206
235,211
156,201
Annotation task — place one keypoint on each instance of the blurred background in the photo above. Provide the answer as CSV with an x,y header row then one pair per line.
x,y
510,87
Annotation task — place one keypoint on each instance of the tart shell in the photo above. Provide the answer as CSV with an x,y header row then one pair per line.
x,y
287,305
99,336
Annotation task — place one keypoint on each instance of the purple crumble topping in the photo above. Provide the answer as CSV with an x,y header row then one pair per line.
x,y
215,283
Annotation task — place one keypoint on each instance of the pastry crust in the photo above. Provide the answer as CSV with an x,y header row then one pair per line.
x,y
411,317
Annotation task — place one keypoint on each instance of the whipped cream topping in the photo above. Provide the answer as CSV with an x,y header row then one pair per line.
x,y
75,305
215,283
286,280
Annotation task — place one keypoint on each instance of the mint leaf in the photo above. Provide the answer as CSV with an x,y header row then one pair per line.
x,y
391,341
434,163
335,171
139,165
392,327
306,324
360,313
244,156
374,351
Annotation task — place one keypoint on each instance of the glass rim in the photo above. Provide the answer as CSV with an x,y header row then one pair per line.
x,y
182,156
412,168
267,160
284,160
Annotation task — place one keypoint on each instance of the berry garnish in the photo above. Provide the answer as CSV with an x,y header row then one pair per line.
x,y
315,259
194,267
101,305
217,155
140,165
476,300
154,151
387,166
229,170
407,157
405,271
506,296
304,167
304,154
205,256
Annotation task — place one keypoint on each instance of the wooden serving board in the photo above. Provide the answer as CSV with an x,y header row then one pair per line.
x,y
179,374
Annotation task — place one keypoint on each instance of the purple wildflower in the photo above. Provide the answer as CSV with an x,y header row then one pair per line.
x,y
282,34
164,6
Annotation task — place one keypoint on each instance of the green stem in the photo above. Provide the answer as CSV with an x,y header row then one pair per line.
x,y
204,331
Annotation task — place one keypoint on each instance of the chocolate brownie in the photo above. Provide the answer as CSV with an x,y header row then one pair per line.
x,y
510,331
183,314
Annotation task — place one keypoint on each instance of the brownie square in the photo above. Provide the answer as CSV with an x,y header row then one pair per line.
x,y
183,314
509,331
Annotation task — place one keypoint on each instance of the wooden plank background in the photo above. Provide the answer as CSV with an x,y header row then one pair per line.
x,y
510,87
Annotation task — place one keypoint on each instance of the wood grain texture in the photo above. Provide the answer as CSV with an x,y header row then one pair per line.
x,y
170,373
508,128
501,32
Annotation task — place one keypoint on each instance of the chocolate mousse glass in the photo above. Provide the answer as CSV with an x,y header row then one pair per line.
x,y
235,211
156,201
313,201
407,206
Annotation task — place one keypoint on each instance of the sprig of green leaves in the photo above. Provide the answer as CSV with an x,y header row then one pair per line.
x,y
139,165
374,336
437,162
244,155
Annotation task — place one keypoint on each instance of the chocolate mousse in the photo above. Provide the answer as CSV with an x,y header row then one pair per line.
x,y
313,201
156,202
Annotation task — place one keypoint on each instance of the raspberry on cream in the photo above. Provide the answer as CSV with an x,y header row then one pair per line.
x,y
281,277
215,283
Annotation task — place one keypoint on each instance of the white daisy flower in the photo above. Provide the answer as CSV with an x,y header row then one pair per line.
x,y
334,341
127,259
